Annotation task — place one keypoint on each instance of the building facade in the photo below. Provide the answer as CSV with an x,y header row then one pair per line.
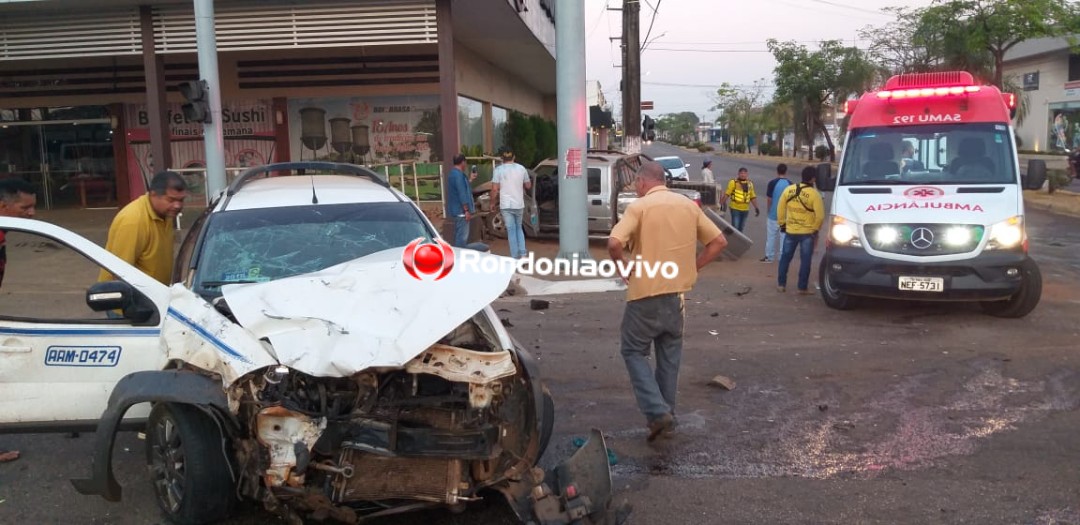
x,y
90,107
1050,76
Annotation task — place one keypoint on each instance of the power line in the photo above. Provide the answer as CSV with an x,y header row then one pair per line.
x,y
710,86
846,6
688,50
649,32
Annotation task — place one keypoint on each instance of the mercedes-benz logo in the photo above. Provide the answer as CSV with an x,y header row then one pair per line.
x,y
922,238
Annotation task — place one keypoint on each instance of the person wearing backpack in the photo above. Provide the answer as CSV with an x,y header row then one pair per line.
x,y
772,228
741,193
800,214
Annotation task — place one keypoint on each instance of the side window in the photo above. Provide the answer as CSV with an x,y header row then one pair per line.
x,y
183,260
46,281
593,182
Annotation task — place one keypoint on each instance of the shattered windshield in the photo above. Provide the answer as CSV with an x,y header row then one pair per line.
x,y
259,245
966,153
672,163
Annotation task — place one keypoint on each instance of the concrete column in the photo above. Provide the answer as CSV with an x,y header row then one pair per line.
x,y
156,102
451,136
489,128
573,111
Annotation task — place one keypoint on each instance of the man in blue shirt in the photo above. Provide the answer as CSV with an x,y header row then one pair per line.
x,y
773,192
460,202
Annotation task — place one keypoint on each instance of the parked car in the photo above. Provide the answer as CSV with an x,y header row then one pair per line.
x,y
677,169
297,362
609,186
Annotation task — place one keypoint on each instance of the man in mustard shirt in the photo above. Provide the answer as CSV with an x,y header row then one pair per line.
x,y
799,213
142,232
660,227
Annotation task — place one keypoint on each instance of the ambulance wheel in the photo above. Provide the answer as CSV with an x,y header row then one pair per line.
x,y
833,297
1024,300
191,480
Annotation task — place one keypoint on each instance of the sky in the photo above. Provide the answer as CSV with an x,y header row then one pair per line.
x,y
699,44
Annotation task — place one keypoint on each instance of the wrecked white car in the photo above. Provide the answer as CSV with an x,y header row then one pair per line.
x,y
302,362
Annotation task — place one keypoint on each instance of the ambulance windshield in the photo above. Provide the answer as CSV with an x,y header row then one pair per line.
x,y
930,154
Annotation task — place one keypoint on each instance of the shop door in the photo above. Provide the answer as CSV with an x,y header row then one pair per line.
x,y
71,164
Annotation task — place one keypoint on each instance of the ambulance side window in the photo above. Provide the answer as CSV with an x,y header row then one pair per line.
x,y
46,281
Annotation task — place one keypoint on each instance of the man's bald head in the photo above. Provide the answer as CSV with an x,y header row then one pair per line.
x,y
648,176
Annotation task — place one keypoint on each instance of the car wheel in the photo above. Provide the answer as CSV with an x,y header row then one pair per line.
x,y
833,297
547,422
191,478
1024,300
495,225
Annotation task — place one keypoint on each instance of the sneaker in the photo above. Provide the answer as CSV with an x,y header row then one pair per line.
x,y
781,289
765,260
660,425
8,455
805,292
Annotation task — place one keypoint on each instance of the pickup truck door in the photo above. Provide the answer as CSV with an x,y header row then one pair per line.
x,y
59,359
598,190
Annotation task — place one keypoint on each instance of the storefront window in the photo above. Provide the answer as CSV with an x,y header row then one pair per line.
x,y
471,124
1064,126
499,117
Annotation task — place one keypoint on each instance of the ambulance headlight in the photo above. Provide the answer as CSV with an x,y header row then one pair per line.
x,y
1008,234
886,235
957,236
844,232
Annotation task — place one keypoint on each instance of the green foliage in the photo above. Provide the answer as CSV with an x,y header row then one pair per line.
x,y
811,80
521,137
547,140
679,128
702,148
742,111
821,152
739,148
1058,179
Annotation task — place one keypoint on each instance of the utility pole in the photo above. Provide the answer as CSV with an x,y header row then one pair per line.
x,y
631,88
571,108
213,137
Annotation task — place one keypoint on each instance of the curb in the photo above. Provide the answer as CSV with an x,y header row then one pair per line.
x,y
1061,202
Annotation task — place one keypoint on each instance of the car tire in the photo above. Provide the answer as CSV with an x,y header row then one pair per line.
x,y
191,479
547,422
1024,300
833,297
495,225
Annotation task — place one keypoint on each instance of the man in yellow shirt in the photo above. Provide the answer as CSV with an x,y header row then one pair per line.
x,y
742,195
142,232
660,228
799,213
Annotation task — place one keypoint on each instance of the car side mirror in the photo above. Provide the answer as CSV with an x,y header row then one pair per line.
x,y
118,295
1036,175
825,181
687,166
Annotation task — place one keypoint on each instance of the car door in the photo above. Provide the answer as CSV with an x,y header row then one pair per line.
x,y
598,188
531,219
59,359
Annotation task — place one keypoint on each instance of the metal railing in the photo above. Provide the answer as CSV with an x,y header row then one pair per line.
x,y
423,175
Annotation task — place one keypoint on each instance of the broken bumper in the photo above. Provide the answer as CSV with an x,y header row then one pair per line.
x,y
576,491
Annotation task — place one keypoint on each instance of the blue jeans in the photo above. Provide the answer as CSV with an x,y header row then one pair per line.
x,y
738,218
654,321
805,243
772,247
461,236
514,234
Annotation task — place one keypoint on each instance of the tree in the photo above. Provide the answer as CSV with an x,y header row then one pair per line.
x,y
815,79
677,127
741,109
521,137
969,28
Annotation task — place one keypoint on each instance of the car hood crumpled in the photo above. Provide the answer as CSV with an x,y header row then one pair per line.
x,y
368,312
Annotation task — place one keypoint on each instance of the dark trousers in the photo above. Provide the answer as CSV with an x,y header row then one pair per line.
x,y
805,243
654,321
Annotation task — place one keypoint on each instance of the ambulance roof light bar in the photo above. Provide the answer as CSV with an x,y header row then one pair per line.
x,y
927,92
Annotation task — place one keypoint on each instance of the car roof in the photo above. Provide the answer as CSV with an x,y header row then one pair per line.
x,y
296,190
667,157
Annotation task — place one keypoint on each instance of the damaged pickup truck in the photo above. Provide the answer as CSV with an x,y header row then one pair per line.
x,y
302,365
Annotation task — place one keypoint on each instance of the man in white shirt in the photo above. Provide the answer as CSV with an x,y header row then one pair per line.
x,y
508,186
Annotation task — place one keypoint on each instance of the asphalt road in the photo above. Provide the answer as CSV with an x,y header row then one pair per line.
x,y
891,413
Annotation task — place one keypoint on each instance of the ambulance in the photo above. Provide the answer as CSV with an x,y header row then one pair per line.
x,y
928,201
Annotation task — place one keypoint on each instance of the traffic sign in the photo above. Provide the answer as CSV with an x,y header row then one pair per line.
x,y
646,104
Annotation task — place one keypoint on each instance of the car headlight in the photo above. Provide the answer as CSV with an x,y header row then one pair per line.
x,y
844,232
1007,234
